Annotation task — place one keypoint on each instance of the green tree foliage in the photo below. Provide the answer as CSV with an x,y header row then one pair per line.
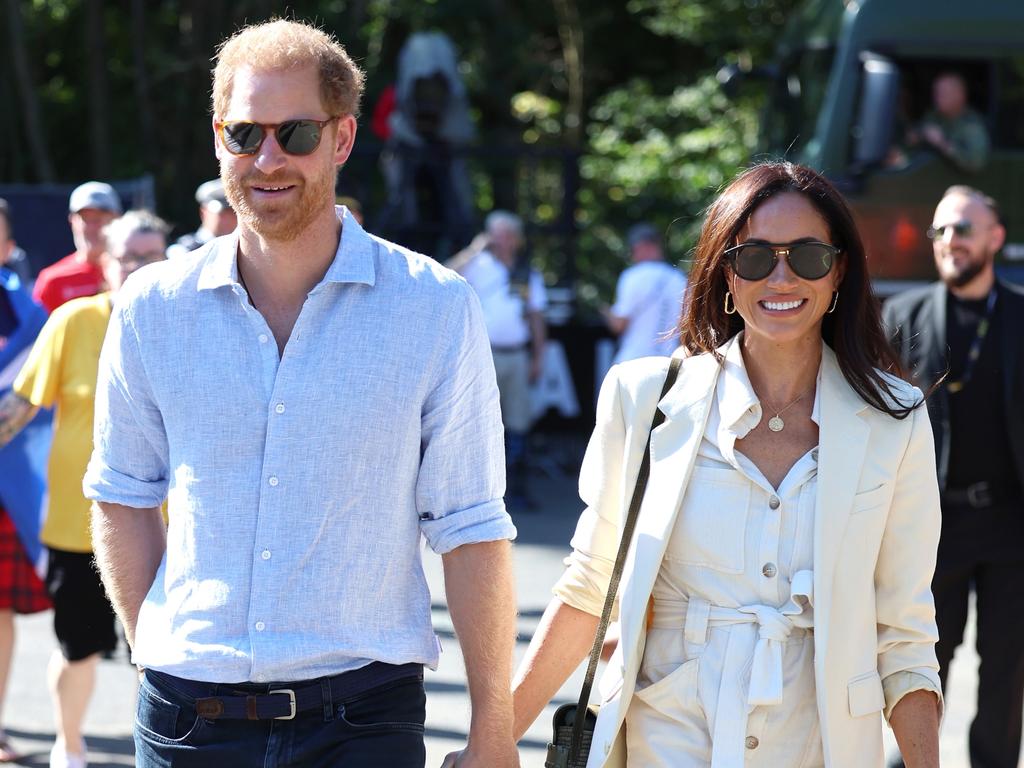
x,y
627,86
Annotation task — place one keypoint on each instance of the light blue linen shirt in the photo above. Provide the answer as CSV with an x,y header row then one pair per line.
x,y
298,487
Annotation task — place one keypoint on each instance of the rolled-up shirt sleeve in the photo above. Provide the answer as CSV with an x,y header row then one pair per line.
x,y
461,481
129,463
584,584
899,684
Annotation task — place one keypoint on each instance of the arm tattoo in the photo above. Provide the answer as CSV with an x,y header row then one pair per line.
x,y
15,413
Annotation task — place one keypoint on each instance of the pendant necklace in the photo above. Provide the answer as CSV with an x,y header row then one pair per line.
x,y
775,423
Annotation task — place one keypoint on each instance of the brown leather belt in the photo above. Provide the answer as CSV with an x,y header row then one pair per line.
x,y
285,700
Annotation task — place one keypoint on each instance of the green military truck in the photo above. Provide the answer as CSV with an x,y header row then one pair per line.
x,y
851,78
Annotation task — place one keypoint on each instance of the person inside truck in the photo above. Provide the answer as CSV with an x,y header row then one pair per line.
x,y
951,127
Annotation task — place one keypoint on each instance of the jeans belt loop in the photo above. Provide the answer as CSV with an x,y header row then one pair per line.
x,y
325,689
695,630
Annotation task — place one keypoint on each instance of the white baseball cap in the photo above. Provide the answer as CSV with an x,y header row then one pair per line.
x,y
94,194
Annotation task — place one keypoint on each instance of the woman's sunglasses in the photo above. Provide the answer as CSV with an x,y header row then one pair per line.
x,y
755,261
295,137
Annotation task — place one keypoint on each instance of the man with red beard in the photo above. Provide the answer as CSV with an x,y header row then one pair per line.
x,y
313,401
962,336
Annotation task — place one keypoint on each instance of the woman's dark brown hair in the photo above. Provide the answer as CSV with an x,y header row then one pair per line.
x,y
854,331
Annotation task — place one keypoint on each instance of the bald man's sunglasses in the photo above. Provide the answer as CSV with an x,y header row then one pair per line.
x,y
960,229
295,137
755,261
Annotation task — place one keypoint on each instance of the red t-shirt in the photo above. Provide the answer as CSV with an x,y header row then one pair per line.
x,y
68,279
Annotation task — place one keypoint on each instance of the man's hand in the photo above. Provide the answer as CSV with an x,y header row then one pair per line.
x,y
481,600
536,368
472,758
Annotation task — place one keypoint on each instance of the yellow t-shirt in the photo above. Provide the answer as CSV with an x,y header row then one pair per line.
x,y
61,370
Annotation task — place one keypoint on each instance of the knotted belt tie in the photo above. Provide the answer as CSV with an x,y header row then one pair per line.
x,y
760,635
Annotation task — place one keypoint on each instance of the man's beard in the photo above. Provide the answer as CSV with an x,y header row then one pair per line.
x,y
966,274
284,221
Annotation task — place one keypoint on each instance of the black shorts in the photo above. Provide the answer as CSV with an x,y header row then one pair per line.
x,y
83,618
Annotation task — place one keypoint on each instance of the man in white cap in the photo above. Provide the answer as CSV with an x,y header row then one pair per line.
x,y
92,206
216,218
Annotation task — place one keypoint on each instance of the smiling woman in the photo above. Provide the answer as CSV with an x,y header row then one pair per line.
x,y
791,515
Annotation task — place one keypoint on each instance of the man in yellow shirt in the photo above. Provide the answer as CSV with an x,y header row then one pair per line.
x,y
61,371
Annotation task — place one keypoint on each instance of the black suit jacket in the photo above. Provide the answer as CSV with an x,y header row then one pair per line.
x,y
916,322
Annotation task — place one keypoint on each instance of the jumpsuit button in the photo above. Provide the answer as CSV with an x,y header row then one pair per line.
x,y
769,570
774,503
752,742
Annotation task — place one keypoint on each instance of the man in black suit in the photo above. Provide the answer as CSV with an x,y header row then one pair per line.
x,y
968,327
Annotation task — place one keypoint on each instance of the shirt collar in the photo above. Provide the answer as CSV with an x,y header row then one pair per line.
x,y
353,261
738,405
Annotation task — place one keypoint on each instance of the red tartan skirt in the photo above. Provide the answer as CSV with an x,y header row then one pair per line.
x,y
20,588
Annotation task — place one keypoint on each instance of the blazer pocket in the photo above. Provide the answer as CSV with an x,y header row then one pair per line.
x,y
676,694
865,694
607,692
865,501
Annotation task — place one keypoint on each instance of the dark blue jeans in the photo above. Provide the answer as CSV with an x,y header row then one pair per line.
x,y
377,727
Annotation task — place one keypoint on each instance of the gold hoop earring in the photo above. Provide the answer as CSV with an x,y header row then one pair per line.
x,y
728,302
835,300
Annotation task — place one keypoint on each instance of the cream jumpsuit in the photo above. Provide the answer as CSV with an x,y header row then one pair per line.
x,y
727,677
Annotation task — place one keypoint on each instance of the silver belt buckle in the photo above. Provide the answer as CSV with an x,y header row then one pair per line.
x,y
979,495
291,702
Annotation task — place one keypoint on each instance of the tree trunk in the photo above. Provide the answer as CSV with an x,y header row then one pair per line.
x,y
99,97
32,115
147,122
570,32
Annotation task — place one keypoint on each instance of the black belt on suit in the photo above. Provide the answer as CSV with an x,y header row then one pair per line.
x,y
981,495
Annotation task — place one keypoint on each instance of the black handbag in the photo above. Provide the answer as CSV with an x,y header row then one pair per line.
x,y
570,747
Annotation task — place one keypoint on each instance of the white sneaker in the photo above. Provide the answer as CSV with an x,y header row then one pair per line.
x,y
61,758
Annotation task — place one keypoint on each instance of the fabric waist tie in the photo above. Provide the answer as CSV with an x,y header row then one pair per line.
x,y
759,636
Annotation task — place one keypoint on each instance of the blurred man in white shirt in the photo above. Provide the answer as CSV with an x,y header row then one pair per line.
x,y
648,299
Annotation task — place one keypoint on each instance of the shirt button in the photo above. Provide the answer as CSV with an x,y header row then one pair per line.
x,y
265,554
774,502
751,742
814,454
769,570
273,480
263,338
279,407
260,626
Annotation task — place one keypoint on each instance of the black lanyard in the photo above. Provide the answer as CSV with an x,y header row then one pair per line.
x,y
953,387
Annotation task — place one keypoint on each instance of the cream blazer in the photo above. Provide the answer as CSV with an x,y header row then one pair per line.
x,y
875,537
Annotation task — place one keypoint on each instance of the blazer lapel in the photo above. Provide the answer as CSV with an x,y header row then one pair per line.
x,y
842,443
673,449
935,357
1008,319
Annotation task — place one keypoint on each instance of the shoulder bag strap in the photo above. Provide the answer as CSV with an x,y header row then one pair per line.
x,y
620,559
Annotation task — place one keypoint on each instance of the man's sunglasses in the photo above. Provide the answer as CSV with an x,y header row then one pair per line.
x,y
960,229
755,261
296,137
